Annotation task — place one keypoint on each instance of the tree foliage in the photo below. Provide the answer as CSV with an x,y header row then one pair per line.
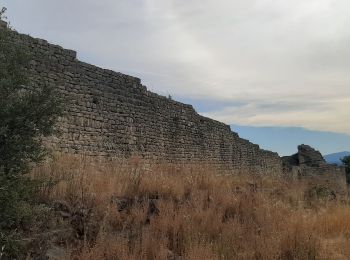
x,y
27,115
346,162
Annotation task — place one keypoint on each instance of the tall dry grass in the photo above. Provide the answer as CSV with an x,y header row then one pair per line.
x,y
130,210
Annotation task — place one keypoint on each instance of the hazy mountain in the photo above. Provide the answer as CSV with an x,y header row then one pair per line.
x,y
335,157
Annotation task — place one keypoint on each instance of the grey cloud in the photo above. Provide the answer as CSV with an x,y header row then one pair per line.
x,y
286,58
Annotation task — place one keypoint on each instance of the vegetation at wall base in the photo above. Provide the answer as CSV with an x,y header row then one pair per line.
x,y
346,162
27,115
76,207
131,209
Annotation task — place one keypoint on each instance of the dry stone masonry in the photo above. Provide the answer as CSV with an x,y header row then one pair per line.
x,y
112,114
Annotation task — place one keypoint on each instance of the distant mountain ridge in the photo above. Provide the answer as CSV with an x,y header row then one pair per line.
x,y
336,157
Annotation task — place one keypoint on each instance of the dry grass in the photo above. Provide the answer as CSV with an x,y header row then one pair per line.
x,y
127,210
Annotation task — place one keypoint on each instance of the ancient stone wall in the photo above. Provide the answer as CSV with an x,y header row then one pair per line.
x,y
308,164
112,114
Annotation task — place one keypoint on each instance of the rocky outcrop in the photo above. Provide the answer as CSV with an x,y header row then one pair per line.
x,y
306,156
310,165
308,161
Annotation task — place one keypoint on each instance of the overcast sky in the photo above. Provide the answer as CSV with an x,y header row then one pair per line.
x,y
282,63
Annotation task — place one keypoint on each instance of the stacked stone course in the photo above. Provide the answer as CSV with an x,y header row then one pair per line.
x,y
112,114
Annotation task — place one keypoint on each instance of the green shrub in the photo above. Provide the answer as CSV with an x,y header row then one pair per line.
x,y
27,115
346,162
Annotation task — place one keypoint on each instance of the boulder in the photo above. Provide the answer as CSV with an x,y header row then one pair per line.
x,y
306,156
309,156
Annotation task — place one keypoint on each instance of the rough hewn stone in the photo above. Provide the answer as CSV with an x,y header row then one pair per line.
x,y
310,165
3,24
112,114
309,156
306,156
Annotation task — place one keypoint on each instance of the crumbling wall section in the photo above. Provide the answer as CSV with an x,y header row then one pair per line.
x,y
308,164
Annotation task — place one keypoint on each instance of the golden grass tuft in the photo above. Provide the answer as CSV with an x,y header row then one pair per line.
x,y
193,212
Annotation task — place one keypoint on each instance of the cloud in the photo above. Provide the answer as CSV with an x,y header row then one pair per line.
x,y
286,61
313,115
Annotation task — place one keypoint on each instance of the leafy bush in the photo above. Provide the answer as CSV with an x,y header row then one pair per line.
x,y
27,115
346,162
